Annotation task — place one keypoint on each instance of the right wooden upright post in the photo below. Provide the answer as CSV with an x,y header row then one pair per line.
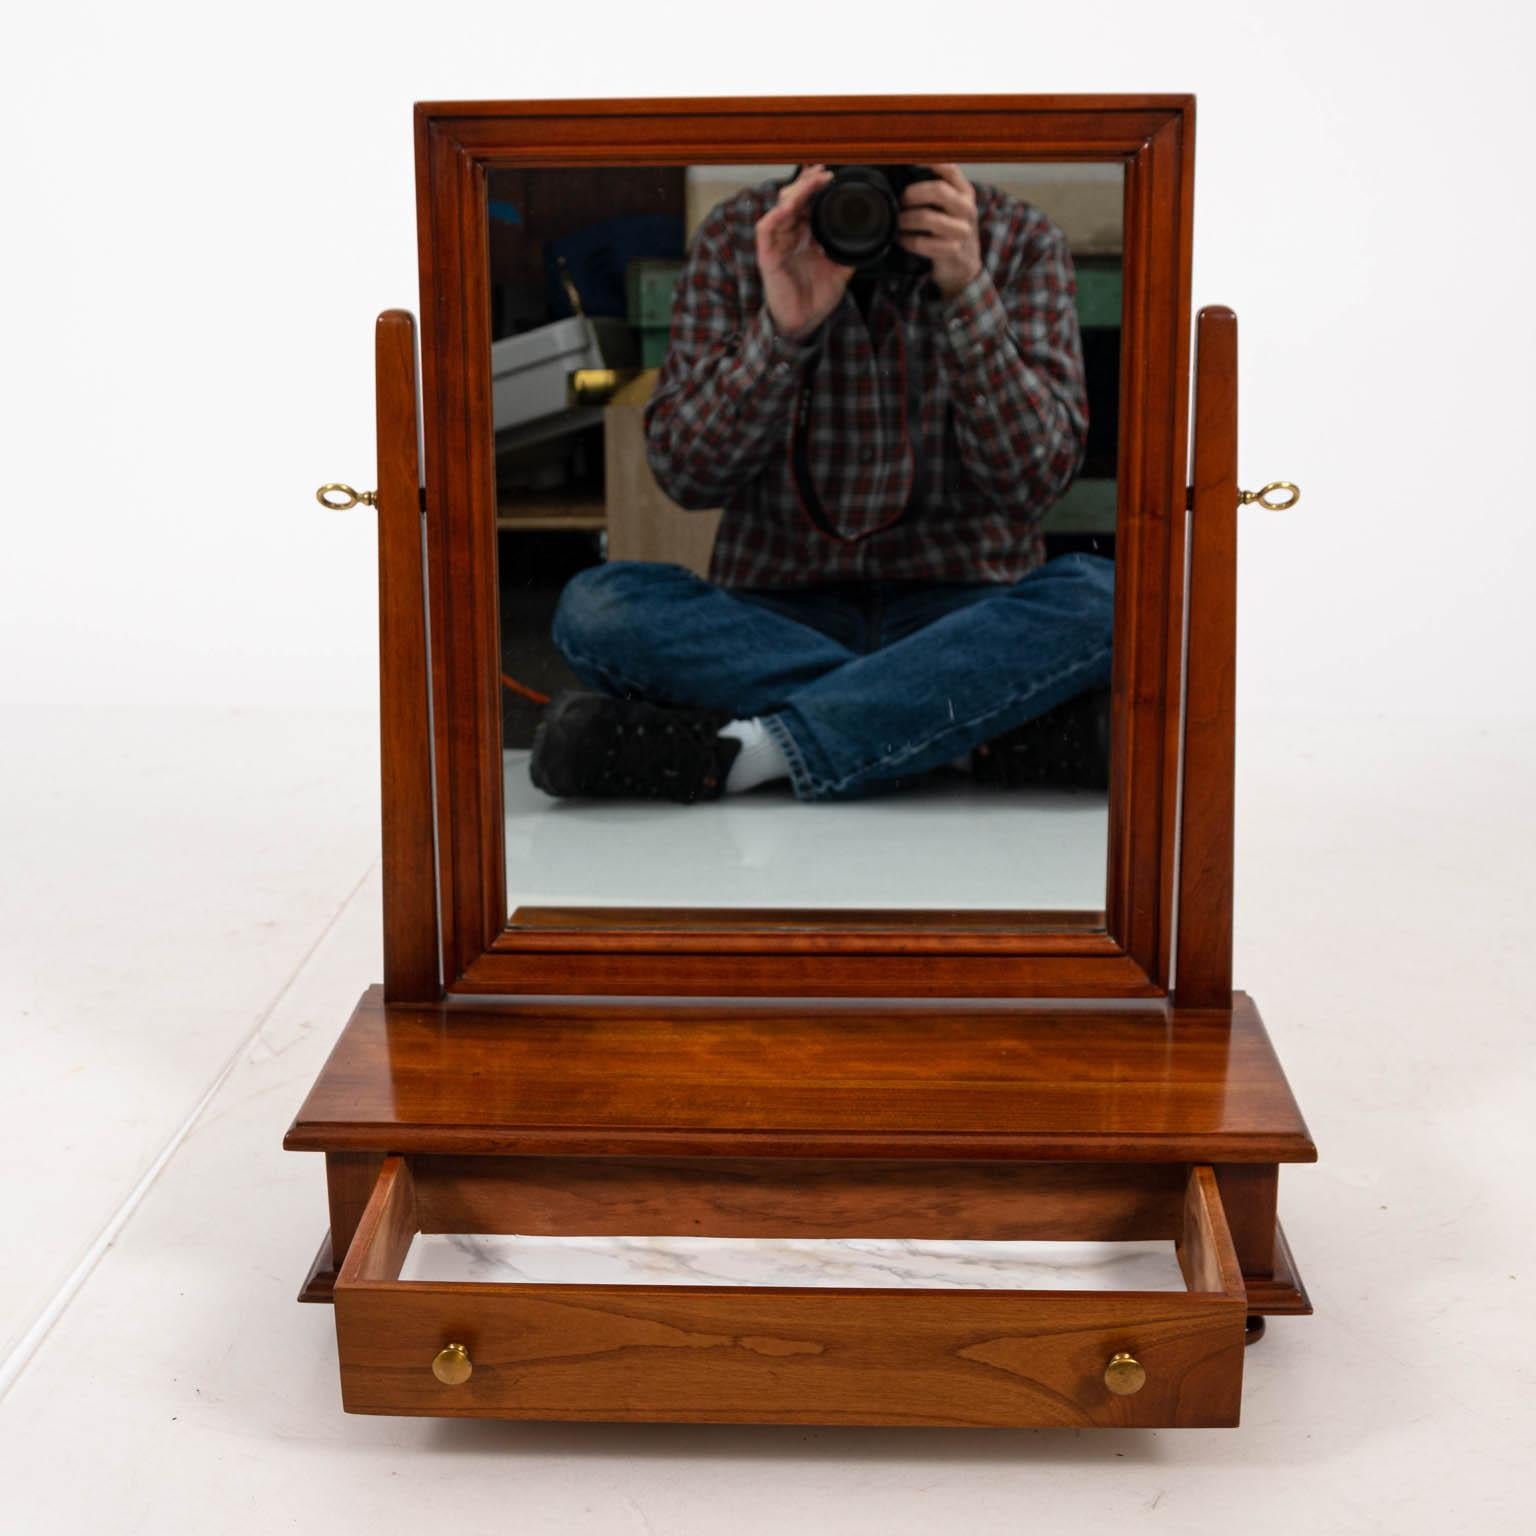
x,y
1203,959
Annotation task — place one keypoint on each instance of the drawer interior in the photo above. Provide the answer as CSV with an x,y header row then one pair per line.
x,y
788,1221
879,1262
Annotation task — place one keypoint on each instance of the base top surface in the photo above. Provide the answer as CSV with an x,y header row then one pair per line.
x,y
868,1080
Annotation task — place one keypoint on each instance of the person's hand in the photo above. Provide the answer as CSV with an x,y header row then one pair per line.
x,y
938,220
802,285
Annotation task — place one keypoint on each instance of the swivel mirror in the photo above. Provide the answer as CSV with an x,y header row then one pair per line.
x,y
794,615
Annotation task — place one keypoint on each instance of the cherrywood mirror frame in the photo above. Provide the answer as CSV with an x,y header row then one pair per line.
x,y
1124,951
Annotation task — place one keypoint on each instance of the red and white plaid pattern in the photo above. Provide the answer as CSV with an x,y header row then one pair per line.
x,y
1004,410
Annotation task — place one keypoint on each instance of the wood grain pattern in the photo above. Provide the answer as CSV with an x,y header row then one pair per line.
x,y
1205,1244
388,1224
439,262
743,1354
800,1197
658,1354
1249,1195
831,966
1034,1083
1173,552
1152,138
411,969
349,1181
1151,473
1203,975
611,922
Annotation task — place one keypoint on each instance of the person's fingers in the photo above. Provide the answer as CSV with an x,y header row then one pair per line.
x,y
920,242
774,221
781,231
939,194
929,221
793,196
770,238
803,187
786,227
826,264
950,174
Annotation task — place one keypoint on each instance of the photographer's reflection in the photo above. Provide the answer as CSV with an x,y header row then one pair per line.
x,y
878,375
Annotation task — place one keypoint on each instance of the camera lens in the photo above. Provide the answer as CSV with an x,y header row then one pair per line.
x,y
854,219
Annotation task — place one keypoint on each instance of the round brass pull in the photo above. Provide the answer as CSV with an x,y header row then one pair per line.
x,y
1266,498
452,1365
1125,1374
339,497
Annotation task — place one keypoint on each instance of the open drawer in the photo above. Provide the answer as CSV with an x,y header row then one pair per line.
x,y
792,1354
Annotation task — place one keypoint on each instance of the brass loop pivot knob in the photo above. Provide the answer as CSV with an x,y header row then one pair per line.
x,y
452,1365
339,497
1290,494
1125,1374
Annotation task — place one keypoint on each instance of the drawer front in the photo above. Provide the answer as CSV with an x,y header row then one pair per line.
x,y
742,1354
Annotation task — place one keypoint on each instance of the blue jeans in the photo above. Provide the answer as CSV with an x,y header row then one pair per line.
x,y
864,685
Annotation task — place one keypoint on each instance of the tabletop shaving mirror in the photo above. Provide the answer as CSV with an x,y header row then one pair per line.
x,y
804,619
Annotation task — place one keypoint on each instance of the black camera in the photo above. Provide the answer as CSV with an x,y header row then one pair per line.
x,y
855,218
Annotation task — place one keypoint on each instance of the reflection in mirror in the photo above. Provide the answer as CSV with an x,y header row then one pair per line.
x,y
806,516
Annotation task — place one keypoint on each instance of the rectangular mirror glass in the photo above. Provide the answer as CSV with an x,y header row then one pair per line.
x,y
814,556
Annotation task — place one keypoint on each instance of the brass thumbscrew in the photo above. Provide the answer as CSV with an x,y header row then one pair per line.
x,y
324,494
1265,498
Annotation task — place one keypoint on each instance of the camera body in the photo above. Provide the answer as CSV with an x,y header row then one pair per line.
x,y
855,218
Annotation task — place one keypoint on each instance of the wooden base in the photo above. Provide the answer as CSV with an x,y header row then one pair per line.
x,y
1002,1122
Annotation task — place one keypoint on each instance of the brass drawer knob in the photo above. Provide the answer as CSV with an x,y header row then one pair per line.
x,y
452,1365
1125,1374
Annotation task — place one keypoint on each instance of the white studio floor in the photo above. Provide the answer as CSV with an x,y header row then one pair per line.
x,y
173,981
947,843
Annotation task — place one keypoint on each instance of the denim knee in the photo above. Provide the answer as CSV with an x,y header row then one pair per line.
x,y
1085,585
1094,571
594,613
607,612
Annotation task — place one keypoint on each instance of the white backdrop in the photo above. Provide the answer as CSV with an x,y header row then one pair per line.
x,y
204,215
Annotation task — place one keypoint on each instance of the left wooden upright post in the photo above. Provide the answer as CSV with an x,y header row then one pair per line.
x,y
409,855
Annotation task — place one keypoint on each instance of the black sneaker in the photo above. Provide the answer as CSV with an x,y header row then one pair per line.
x,y
590,744
1067,747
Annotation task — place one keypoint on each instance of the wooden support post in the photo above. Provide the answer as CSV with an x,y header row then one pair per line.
x,y
409,854
1248,1195
1203,967
349,1181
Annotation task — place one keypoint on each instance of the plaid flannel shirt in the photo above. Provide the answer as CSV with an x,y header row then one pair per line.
x,y
1004,411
